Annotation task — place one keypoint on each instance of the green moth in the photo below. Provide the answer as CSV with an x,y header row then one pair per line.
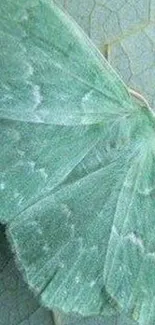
x,y
77,177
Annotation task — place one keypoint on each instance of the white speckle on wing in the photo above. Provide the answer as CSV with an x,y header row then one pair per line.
x,y
66,209
84,105
43,173
2,186
84,167
24,16
15,135
128,181
37,96
46,248
146,191
98,157
77,279
6,87
72,230
21,152
114,231
20,201
62,265
87,96
34,223
31,270
30,69
67,212
151,255
135,240
5,98
39,231
38,119
16,194
32,165
64,292
80,241
94,248
92,283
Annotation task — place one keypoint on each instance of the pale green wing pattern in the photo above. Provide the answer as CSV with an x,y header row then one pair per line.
x,y
54,86
77,164
50,71
81,248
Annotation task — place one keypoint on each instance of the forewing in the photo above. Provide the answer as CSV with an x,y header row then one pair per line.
x,y
50,72
55,87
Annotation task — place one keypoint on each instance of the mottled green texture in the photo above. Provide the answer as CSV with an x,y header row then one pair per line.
x,y
77,168
127,29
98,320
17,304
19,307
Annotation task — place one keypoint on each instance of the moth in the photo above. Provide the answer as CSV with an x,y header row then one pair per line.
x,y
77,160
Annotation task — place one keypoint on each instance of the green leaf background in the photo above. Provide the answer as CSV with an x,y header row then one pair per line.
x,y
124,31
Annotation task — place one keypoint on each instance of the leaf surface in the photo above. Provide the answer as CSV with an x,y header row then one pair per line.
x,y
124,31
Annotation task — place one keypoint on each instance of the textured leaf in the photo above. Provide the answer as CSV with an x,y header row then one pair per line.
x,y
125,32
77,159
17,304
